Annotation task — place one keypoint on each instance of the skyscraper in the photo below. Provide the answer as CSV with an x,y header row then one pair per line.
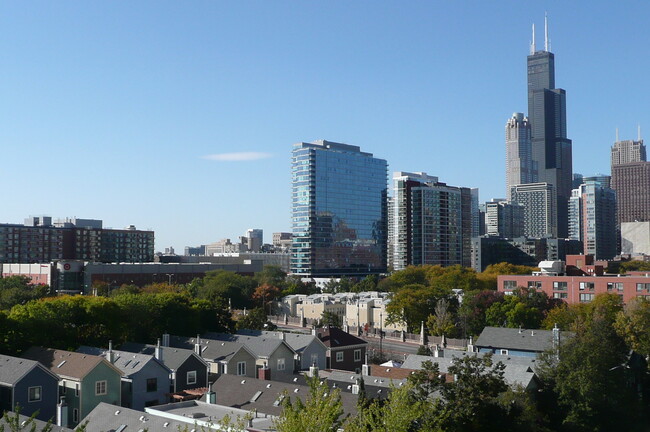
x,y
631,180
433,221
504,219
551,149
339,210
540,208
592,219
519,160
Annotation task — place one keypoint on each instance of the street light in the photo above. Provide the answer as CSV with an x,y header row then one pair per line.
x,y
381,333
169,275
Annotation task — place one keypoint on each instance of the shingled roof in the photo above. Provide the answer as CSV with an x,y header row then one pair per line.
x,y
517,339
173,358
13,369
128,362
66,364
334,337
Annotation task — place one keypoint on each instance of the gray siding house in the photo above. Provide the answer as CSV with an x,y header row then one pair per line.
x,y
309,348
30,385
223,357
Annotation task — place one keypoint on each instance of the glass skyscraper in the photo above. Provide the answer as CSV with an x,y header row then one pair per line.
x,y
339,210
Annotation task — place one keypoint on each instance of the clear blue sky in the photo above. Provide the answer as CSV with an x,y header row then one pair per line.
x,y
108,110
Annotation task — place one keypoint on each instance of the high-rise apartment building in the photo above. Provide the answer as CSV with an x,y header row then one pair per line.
x,y
540,208
339,210
631,181
433,222
504,219
551,149
519,159
592,219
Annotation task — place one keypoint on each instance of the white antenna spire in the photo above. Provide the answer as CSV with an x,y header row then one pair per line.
x,y
532,45
638,126
616,134
547,42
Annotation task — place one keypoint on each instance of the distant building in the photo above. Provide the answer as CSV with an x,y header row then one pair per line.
x,y
254,239
339,210
540,208
592,218
631,182
282,241
433,221
635,238
504,219
519,158
628,151
40,241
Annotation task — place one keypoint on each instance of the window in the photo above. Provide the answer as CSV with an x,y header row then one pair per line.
x,y
191,377
34,394
75,415
76,389
339,356
100,388
534,284
241,368
503,352
560,286
152,384
585,298
314,360
558,295
643,286
357,355
509,285
587,286
615,286
281,364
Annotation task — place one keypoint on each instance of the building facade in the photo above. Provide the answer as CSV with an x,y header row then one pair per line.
x,y
631,181
504,219
551,149
519,160
592,211
339,210
540,208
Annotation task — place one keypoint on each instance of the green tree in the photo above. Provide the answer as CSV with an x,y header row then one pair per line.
x,y
442,322
255,319
488,277
472,311
16,290
329,319
222,284
321,411
633,325
271,275
369,283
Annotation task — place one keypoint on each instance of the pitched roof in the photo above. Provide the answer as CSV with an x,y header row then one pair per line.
x,y
334,337
211,349
39,425
241,392
13,369
297,341
517,339
518,370
66,364
173,358
128,362
260,346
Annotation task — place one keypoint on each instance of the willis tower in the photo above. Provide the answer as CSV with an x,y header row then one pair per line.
x,y
551,149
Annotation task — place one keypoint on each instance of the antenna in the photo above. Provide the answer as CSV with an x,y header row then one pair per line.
x,y
638,132
616,134
547,42
532,45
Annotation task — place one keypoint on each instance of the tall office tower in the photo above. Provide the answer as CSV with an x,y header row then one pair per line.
x,y
254,239
504,219
631,181
577,180
551,149
602,179
540,208
628,151
339,210
390,250
476,214
519,161
592,219
433,221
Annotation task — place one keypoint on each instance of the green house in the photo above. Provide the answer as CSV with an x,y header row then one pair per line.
x,y
85,380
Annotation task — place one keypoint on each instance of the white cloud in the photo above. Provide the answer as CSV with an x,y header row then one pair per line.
x,y
237,157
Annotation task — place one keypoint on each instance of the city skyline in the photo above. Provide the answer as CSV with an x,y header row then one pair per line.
x,y
181,119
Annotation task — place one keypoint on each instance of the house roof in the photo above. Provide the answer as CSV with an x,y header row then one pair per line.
x,y
128,362
334,337
107,417
242,392
517,339
518,370
173,358
260,346
211,349
297,341
66,364
13,369
39,425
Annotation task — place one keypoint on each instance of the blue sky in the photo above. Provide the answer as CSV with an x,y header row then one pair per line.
x,y
122,111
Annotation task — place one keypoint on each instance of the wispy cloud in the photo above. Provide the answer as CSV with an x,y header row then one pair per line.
x,y
237,157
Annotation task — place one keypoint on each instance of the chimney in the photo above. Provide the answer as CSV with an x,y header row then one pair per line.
x,y
438,352
355,388
283,336
165,339
470,345
110,355
62,413
211,395
313,330
264,373
197,345
365,369
313,370
158,352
